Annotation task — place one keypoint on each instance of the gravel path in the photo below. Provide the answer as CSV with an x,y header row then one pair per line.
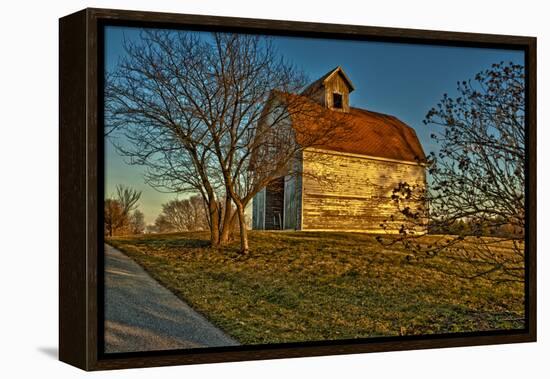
x,y
142,315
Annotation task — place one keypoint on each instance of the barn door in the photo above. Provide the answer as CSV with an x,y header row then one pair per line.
x,y
290,202
258,210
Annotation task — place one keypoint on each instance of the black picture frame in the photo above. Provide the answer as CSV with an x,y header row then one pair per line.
x,y
81,188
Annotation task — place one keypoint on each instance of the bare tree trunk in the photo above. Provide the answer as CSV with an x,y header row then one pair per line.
x,y
227,221
242,227
214,223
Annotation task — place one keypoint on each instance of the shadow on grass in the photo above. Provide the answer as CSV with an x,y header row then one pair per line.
x,y
175,240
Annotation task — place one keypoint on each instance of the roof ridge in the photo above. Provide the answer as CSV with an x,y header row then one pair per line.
x,y
319,81
383,114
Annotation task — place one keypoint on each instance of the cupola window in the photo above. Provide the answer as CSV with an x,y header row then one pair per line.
x,y
337,100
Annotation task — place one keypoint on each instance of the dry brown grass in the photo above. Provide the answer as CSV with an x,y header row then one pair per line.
x,y
307,286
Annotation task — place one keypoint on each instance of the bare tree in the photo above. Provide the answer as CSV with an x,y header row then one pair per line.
x,y
192,110
162,225
128,198
119,211
476,187
159,100
183,215
114,217
136,222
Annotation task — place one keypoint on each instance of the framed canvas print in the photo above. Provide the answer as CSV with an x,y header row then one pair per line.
x,y
238,189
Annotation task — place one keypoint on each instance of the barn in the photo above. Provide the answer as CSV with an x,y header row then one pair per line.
x,y
361,171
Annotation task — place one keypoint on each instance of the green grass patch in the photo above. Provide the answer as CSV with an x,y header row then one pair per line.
x,y
308,286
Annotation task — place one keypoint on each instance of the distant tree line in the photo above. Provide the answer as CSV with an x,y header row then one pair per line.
x,y
121,216
495,227
181,215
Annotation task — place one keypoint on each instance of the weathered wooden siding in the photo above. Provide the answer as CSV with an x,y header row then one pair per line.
x,y
290,199
337,84
323,94
349,192
318,96
299,200
258,210
293,196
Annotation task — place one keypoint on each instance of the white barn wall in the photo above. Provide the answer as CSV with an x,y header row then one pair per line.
x,y
351,192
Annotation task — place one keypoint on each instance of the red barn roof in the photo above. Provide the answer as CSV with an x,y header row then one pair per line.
x,y
379,135
360,132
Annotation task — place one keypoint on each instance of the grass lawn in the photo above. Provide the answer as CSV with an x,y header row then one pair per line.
x,y
306,286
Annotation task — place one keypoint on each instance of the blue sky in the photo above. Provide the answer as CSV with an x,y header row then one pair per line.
x,y
403,80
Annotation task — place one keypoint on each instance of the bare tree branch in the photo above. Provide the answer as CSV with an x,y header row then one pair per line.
x,y
476,191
